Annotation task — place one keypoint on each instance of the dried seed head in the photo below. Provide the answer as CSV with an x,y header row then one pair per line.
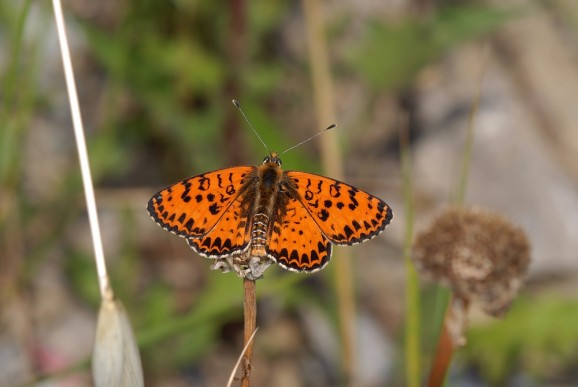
x,y
480,255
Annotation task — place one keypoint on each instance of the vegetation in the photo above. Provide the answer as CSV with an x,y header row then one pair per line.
x,y
155,80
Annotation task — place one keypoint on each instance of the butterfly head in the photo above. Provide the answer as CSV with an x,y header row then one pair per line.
x,y
272,159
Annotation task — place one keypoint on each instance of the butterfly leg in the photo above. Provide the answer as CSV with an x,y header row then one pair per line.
x,y
251,268
232,263
222,265
257,267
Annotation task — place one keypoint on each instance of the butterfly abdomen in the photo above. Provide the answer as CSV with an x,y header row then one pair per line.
x,y
259,234
264,206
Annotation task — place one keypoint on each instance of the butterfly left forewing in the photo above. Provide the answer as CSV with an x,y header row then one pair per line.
x,y
345,214
192,207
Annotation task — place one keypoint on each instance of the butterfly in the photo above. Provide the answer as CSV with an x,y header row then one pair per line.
x,y
256,215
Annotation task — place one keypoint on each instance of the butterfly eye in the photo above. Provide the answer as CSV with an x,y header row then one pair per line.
x,y
278,162
266,160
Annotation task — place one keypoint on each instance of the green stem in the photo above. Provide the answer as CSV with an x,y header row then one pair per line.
x,y
412,328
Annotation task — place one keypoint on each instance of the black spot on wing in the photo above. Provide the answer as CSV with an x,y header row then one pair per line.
x,y
335,190
214,208
227,245
204,183
348,232
206,242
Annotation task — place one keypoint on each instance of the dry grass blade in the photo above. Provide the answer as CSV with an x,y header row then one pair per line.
x,y
78,127
116,360
241,356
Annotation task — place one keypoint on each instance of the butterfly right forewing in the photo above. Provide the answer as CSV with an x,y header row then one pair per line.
x,y
345,214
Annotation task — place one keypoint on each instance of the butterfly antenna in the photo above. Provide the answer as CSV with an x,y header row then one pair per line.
x,y
236,103
310,138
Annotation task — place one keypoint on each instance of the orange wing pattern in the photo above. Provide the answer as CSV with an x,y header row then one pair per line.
x,y
295,241
192,207
345,214
230,236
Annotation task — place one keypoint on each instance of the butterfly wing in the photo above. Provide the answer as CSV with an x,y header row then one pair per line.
x,y
192,207
345,214
230,236
296,242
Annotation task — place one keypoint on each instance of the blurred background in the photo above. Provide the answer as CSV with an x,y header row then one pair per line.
x,y
155,81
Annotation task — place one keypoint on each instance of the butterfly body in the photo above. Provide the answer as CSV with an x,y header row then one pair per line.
x,y
266,194
248,217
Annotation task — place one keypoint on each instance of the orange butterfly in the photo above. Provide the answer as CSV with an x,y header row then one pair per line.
x,y
255,215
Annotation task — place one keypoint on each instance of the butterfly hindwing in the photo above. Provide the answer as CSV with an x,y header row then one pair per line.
x,y
192,207
345,214
295,241
230,236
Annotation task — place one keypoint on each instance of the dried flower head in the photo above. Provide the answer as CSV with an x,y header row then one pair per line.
x,y
480,255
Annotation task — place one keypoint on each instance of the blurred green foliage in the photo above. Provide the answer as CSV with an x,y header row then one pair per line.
x,y
163,70
538,336
390,55
17,88
171,62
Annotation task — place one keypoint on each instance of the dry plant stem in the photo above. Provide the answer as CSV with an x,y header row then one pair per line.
x,y
250,313
234,371
103,281
333,166
445,349
444,353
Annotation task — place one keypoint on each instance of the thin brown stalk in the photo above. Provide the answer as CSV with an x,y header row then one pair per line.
x,y
444,353
333,166
250,313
